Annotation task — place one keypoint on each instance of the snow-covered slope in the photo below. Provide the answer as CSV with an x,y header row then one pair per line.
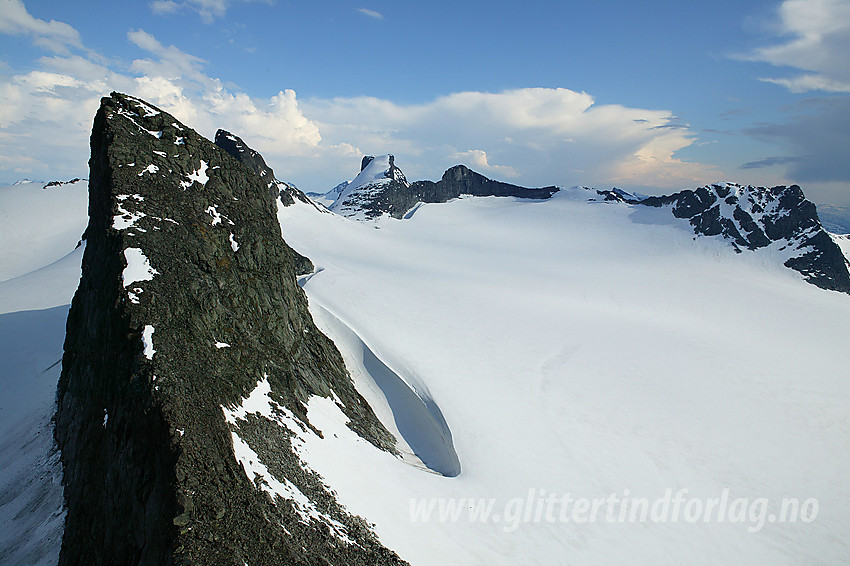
x,y
571,348
40,271
593,351
59,213
327,199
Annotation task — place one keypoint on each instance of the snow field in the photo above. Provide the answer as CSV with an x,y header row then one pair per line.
x,y
590,348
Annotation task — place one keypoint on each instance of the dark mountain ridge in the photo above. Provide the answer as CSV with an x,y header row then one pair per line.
x,y
188,301
395,196
233,144
753,218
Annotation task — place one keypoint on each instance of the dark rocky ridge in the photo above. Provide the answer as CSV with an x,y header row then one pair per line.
x,y
233,144
397,196
286,192
756,217
150,473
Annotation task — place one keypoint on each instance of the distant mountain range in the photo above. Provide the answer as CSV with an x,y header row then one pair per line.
x,y
779,219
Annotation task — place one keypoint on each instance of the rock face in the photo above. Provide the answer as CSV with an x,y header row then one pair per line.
x,y
460,180
232,144
759,217
381,188
286,192
188,304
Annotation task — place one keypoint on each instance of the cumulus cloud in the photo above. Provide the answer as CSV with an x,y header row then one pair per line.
x,y
54,36
46,114
541,135
176,81
817,41
534,136
477,159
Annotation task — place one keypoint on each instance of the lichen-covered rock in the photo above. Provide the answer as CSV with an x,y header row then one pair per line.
x,y
188,300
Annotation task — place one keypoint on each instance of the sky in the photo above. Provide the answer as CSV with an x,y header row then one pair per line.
x,y
653,96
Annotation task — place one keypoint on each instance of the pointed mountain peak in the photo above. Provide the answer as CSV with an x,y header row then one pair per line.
x,y
378,176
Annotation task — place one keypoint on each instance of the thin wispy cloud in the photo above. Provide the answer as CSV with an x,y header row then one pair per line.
x,y
769,162
162,7
371,13
208,10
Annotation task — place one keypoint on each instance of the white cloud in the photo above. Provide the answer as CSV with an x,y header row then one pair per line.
x,y
371,13
533,136
477,159
543,136
46,115
171,62
162,7
818,42
807,83
208,10
52,35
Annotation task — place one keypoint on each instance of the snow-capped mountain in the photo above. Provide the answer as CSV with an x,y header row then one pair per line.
x,y
529,377
381,188
361,197
776,221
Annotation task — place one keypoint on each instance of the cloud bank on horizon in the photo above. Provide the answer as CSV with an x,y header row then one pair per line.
x,y
533,136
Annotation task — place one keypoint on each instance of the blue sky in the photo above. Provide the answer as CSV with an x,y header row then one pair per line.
x,y
651,96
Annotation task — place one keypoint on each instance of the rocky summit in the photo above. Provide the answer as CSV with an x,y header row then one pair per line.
x,y
381,188
778,218
188,344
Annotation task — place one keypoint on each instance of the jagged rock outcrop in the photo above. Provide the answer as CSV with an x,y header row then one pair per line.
x,y
60,183
233,144
760,217
286,192
188,304
381,188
